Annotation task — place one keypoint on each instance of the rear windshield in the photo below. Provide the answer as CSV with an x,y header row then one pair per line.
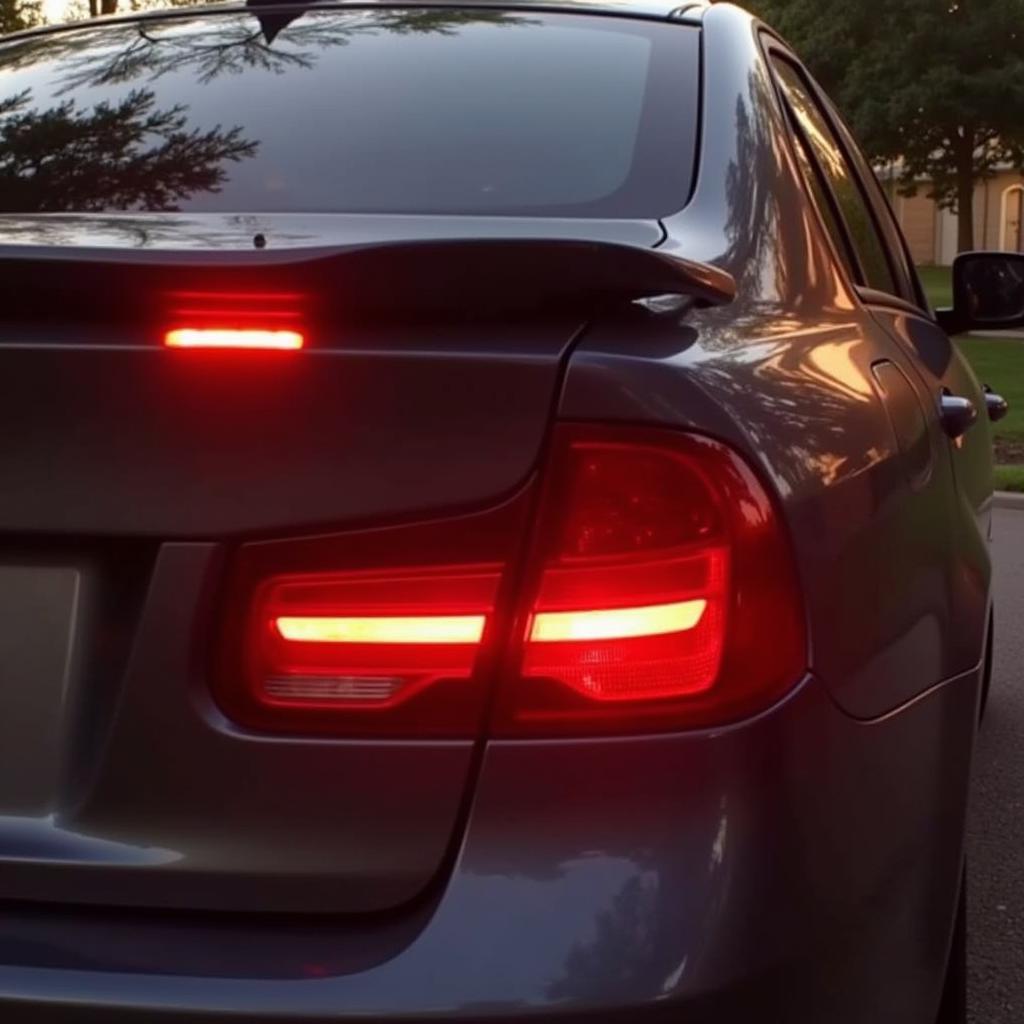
x,y
377,111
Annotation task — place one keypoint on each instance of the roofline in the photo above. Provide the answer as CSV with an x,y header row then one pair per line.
x,y
649,10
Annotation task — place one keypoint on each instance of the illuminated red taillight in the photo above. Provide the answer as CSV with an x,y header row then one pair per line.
x,y
368,640
662,593
387,632
658,593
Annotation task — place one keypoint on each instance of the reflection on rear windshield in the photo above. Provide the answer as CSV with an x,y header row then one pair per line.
x,y
395,111
125,155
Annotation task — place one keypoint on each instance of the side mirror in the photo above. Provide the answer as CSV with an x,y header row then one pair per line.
x,y
988,292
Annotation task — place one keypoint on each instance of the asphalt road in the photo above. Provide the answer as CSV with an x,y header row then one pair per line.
x,y
995,848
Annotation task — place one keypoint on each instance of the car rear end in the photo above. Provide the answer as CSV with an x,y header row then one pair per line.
x,y
358,661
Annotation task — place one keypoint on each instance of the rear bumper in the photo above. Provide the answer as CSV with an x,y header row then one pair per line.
x,y
799,867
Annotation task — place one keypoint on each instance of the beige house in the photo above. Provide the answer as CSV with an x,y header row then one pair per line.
x,y
998,220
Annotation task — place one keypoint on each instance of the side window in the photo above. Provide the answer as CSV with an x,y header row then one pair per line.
x,y
826,205
817,135
896,243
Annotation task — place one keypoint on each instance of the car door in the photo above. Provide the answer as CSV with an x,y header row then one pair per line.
x,y
946,375
934,540
939,360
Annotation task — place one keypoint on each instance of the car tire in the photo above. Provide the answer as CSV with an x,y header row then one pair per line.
x,y
953,1009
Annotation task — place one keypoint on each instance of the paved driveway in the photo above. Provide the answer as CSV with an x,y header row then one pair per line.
x,y
996,843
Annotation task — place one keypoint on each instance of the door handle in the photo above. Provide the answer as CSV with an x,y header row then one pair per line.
x,y
957,414
997,406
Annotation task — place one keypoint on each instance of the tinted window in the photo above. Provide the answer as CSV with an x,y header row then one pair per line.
x,y
830,157
825,204
895,243
396,111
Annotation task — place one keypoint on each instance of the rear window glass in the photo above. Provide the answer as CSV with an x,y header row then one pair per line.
x,y
376,111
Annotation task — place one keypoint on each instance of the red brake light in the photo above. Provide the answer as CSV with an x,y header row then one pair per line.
x,y
367,640
324,637
659,594
617,623
381,629
663,594
236,320
219,337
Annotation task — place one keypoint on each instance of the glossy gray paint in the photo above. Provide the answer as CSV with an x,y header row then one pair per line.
x,y
771,869
799,867
209,432
40,607
178,809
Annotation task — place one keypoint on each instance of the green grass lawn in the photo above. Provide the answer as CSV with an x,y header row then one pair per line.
x,y
1000,364
938,285
1010,478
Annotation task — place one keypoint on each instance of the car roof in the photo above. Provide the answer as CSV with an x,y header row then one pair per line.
x,y
676,10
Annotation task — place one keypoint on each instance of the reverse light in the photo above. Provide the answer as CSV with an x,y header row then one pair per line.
x,y
206,337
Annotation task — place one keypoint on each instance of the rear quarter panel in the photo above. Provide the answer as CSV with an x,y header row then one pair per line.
x,y
785,374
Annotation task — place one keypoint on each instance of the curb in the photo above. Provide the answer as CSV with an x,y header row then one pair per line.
x,y
1008,499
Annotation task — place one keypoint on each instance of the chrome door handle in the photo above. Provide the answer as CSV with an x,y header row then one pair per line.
x,y
957,414
997,406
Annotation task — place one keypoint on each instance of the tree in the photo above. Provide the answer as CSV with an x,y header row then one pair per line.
x,y
935,86
103,7
18,14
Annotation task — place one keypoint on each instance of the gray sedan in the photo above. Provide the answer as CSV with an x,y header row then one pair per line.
x,y
490,527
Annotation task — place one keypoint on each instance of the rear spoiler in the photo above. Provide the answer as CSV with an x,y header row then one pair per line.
x,y
380,279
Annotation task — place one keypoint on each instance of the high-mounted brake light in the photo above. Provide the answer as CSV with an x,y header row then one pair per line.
x,y
662,593
207,337
236,320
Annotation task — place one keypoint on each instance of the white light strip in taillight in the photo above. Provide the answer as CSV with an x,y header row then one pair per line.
x,y
617,623
412,629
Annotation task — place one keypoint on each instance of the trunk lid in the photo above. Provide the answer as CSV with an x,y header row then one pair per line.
x,y
130,473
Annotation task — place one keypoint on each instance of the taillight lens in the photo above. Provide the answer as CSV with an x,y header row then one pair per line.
x,y
658,592
367,640
662,592
322,639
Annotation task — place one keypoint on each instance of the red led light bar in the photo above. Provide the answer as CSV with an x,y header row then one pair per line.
x,y
218,337
235,320
395,629
617,623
